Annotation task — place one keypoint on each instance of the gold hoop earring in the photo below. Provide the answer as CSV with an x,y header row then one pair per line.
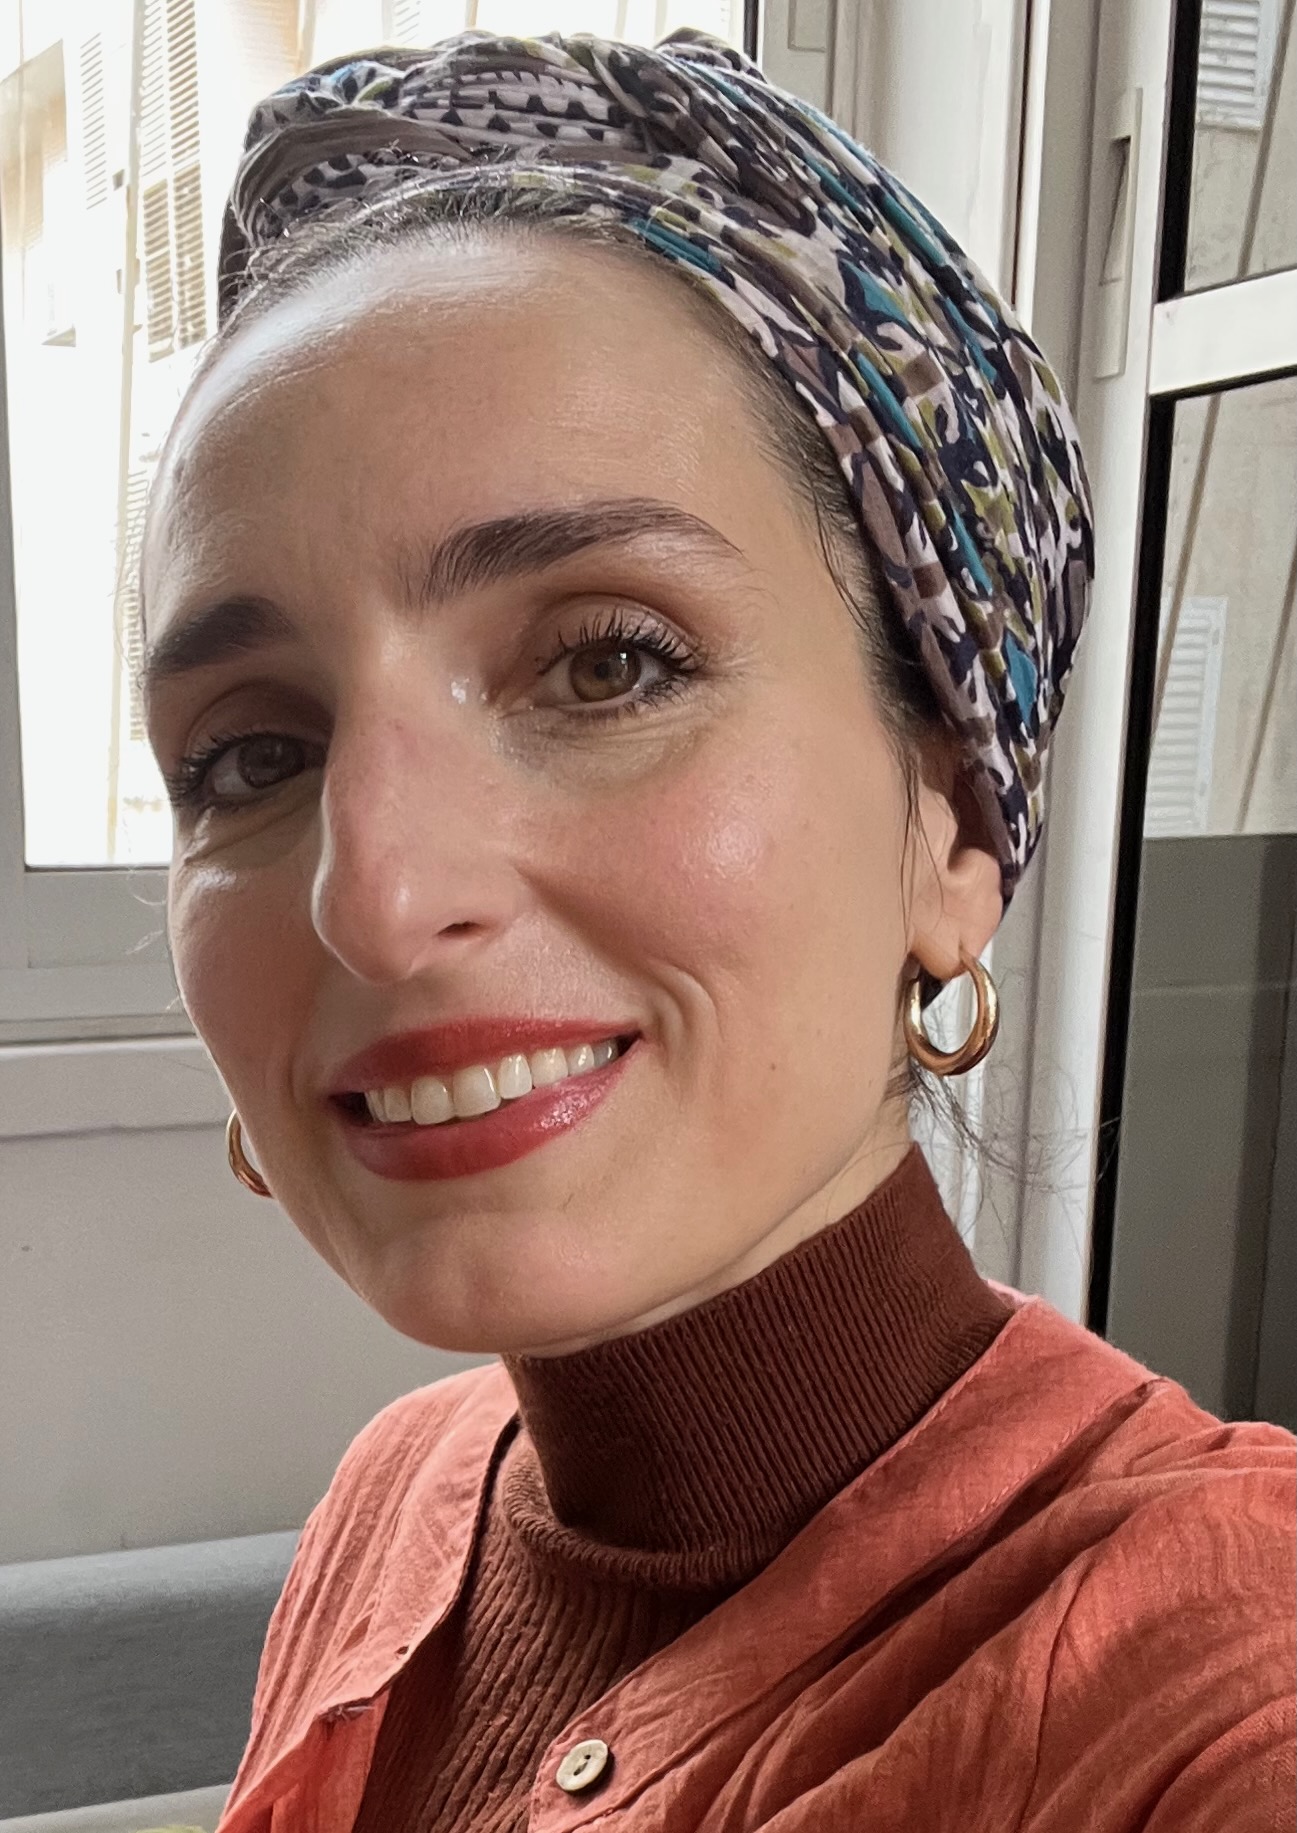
x,y
240,1164
979,1040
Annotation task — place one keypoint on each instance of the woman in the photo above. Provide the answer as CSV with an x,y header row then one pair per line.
x,y
609,591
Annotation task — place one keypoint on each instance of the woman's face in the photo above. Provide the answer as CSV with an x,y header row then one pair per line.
x,y
510,706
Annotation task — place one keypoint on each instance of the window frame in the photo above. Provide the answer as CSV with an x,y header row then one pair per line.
x,y
82,949
1172,347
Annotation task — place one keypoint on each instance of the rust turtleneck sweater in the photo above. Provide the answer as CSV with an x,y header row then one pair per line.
x,y
653,1475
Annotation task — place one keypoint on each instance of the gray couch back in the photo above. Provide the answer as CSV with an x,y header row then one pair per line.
x,y
128,1674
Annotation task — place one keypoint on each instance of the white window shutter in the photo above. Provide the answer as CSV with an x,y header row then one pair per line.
x,y
154,124
128,594
268,44
424,22
187,226
171,218
159,285
1178,796
94,122
1235,53
182,82
404,23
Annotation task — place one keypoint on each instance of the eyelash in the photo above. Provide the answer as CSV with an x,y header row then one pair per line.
x,y
614,630
186,782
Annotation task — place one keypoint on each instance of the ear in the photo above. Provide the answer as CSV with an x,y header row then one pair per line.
x,y
955,898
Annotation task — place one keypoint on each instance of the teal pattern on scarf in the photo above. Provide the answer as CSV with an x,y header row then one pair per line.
x,y
958,449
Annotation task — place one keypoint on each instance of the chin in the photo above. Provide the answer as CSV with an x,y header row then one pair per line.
x,y
507,1328
535,1297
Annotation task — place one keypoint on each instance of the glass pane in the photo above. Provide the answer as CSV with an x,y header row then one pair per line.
x,y
1207,1184
1243,204
1224,757
99,348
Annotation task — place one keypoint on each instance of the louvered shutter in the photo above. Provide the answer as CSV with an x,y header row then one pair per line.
x,y
1235,51
1178,797
159,288
423,22
128,595
171,218
405,22
155,185
94,122
269,48
92,237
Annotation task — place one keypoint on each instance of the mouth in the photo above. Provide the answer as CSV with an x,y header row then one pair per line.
x,y
480,1116
470,1093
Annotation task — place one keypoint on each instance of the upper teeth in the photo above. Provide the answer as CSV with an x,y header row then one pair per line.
x,y
433,1099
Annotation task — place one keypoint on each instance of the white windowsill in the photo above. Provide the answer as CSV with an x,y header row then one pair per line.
x,y
126,1085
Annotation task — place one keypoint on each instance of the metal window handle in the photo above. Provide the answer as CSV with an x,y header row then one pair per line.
x,y
1112,315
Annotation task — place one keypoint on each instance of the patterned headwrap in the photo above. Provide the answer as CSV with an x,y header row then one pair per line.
x,y
958,449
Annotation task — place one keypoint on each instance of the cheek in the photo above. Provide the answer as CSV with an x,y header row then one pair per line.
x,y
244,976
761,885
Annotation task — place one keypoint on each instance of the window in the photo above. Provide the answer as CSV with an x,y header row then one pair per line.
x,y
120,127
105,307
1162,1070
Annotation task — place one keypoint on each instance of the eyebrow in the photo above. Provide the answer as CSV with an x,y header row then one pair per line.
x,y
219,632
479,554
485,552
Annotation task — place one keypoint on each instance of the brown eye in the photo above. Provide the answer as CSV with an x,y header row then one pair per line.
x,y
605,671
622,661
257,763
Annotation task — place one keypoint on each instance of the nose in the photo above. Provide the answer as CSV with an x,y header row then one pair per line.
x,y
414,865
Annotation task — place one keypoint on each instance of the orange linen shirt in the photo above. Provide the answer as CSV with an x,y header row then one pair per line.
x,y
1062,1603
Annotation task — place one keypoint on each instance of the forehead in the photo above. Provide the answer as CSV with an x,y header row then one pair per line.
x,y
448,383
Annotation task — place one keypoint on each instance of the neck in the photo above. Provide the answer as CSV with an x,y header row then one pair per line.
x,y
727,1426
866,1172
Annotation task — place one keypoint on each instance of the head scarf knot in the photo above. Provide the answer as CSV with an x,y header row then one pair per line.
x,y
951,431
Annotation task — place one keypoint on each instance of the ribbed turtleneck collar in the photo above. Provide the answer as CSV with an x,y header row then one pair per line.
x,y
713,1437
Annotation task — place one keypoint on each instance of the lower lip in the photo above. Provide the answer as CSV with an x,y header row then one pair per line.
x,y
461,1148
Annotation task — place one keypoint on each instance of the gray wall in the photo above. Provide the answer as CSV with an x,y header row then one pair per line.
x,y
175,1363
1204,1199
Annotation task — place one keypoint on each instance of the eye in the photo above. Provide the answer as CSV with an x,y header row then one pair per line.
x,y
237,769
605,672
620,662
256,764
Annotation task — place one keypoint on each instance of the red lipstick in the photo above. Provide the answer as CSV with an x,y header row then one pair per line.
x,y
406,1152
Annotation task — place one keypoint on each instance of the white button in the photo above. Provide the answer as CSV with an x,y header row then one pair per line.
x,y
583,1765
